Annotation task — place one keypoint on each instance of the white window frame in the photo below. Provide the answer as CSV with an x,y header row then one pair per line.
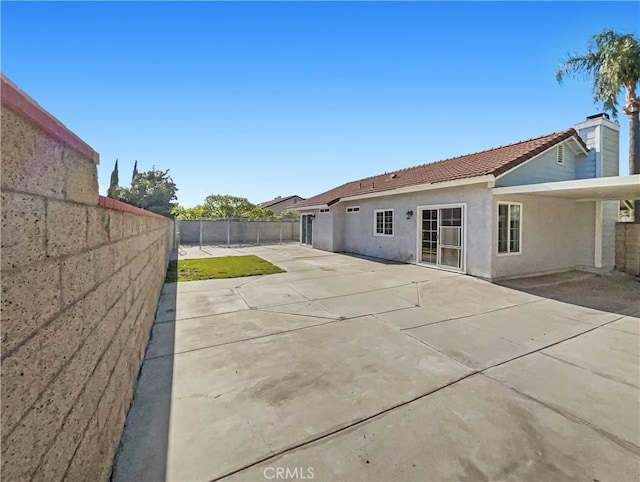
x,y
464,236
375,222
352,209
508,253
324,210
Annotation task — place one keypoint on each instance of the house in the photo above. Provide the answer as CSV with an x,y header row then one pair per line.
x,y
538,206
280,204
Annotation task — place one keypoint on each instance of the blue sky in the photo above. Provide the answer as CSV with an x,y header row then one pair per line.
x,y
265,99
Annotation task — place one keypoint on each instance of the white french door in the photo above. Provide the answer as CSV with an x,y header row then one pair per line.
x,y
441,236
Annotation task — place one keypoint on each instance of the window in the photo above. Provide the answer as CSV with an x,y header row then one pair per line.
x,y
324,210
560,158
383,222
509,227
353,209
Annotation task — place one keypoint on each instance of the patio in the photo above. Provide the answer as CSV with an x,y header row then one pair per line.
x,y
347,368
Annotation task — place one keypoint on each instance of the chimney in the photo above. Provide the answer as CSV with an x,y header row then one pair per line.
x,y
602,137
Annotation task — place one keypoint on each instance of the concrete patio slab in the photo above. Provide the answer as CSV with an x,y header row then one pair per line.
x,y
531,325
475,430
610,353
261,295
611,407
212,284
200,303
307,308
233,404
614,292
336,368
467,344
415,274
371,302
208,331
412,317
456,297
627,324
559,309
322,288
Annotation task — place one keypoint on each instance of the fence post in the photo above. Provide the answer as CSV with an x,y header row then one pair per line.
x,y
228,232
258,232
201,233
281,231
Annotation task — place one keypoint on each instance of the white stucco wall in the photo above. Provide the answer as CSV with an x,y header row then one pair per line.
x,y
322,230
557,234
358,228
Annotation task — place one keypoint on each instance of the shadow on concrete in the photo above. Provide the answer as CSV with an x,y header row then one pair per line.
x,y
372,259
613,292
143,449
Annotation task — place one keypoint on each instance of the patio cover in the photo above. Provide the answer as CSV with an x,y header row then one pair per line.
x,y
614,188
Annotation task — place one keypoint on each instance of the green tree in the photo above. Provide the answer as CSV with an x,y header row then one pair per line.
x,y
260,214
222,206
113,185
612,62
193,213
289,215
226,206
135,171
153,190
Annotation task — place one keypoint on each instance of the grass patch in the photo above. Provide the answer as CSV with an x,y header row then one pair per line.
x,y
217,268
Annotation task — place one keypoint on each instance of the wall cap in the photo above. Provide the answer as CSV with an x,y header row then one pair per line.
x,y
115,205
21,103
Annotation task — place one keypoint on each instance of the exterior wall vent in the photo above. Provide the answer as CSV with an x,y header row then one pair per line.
x,y
560,158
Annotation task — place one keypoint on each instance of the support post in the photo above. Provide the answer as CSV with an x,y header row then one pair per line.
x,y
281,231
201,234
228,232
597,258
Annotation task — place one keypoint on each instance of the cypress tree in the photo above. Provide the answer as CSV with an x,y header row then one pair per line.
x,y
114,182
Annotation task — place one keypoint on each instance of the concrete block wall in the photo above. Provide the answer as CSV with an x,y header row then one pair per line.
x,y
238,231
81,276
628,248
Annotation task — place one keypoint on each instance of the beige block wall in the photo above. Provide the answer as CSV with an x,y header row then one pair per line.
x,y
628,248
80,285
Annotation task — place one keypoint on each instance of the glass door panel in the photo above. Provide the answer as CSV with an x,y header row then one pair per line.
x,y
429,236
450,239
450,257
306,229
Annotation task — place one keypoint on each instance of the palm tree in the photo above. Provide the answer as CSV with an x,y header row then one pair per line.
x,y
612,62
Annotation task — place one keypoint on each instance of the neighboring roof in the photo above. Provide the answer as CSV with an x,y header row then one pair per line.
x,y
277,200
490,162
612,188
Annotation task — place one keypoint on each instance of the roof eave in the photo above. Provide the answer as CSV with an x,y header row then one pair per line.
x,y
307,208
421,187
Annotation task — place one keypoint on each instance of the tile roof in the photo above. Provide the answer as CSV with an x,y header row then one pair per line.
x,y
277,200
490,162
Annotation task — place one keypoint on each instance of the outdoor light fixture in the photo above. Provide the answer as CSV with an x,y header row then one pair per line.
x,y
409,214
